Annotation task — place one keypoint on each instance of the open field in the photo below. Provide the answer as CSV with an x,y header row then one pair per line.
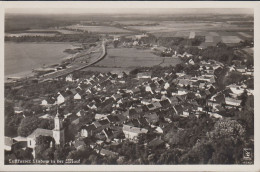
x,y
29,34
131,57
169,26
213,34
182,34
128,57
249,51
209,39
136,22
98,29
108,69
170,61
230,39
245,34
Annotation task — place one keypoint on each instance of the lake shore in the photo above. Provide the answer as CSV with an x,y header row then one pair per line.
x,y
36,57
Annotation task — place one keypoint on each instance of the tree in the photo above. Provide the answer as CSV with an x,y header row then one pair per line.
x,y
28,125
61,152
43,149
81,154
115,43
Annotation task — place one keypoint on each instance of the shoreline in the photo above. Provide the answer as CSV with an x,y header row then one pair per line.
x,y
30,73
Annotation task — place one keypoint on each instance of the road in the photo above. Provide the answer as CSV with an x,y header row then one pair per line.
x,y
75,67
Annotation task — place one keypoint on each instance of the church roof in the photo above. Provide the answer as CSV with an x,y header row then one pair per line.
x,y
40,132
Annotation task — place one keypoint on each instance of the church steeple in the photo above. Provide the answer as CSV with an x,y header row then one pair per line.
x,y
58,131
58,121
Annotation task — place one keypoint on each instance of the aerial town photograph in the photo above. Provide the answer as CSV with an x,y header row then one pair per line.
x,y
129,86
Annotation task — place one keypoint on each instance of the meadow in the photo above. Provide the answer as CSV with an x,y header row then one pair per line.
x,y
98,29
132,57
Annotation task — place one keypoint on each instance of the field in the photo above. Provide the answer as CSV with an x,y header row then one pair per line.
x,y
128,57
98,29
131,57
108,69
213,31
170,61
136,22
209,39
230,39
29,34
245,34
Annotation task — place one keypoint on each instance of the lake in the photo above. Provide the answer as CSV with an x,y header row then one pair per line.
x,y
21,58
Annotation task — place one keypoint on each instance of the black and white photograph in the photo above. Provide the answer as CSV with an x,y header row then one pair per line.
x,y
129,86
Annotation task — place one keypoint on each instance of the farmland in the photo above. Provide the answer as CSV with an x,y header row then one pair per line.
x,y
131,57
230,39
98,29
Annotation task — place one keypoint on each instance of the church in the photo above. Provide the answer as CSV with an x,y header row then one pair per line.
x,y
57,134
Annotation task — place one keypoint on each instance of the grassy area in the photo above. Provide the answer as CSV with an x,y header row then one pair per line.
x,y
129,57
99,29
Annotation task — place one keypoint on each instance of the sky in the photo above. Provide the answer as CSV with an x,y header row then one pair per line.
x,y
129,10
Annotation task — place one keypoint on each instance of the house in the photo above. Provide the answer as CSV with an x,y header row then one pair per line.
x,y
241,69
63,96
116,96
102,124
215,115
69,78
148,89
77,96
46,116
191,62
132,133
210,79
89,91
105,152
174,100
100,116
184,82
144,75
216,100
165,103
151,118
232,102
73,118
155,143
92,106
48,101
135,43
159,130
8,143
178,109
238,90
79,144
18,107
108,133
113,119
81,113
202,85
166,85
157,90
131,114
182,91
153,106
87,130
118,74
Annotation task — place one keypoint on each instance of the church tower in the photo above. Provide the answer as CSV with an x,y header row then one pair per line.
x,y
58,131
